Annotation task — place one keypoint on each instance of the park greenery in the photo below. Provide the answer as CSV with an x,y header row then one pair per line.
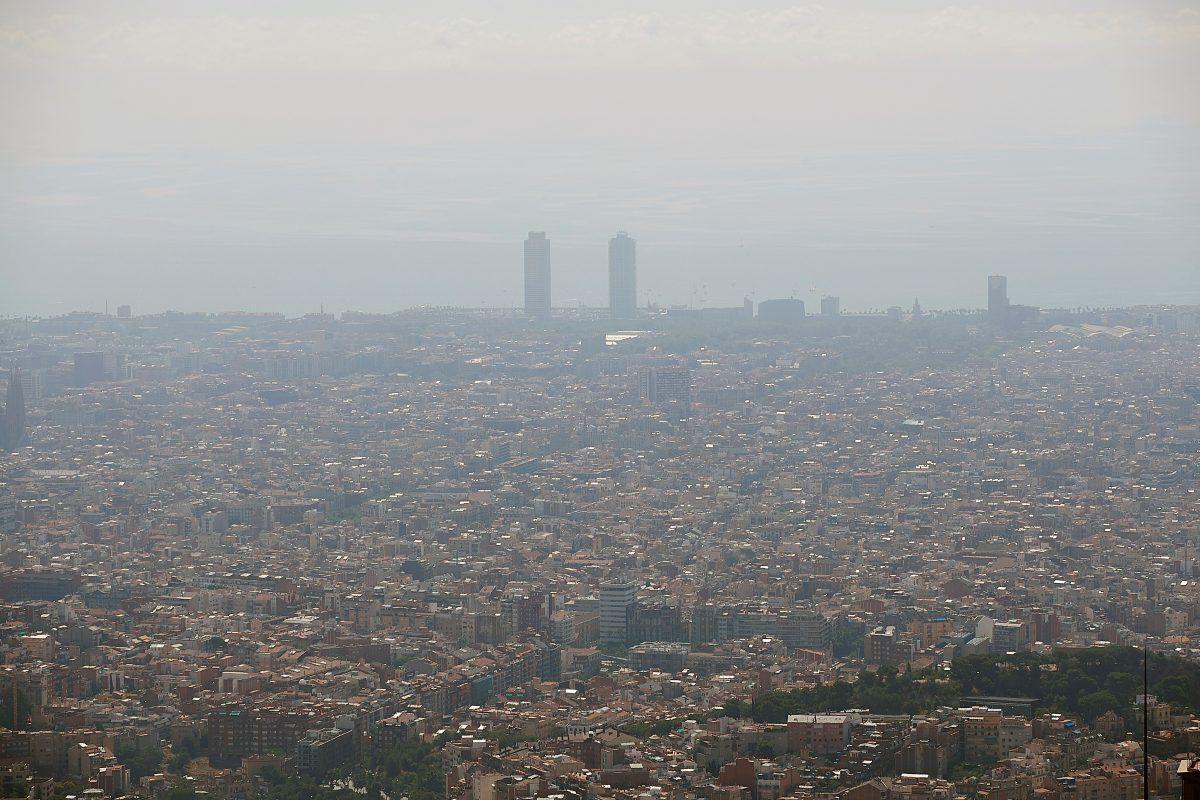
x,y
1085,683
411,769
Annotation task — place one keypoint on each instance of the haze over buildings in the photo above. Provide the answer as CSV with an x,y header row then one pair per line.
x,y
205,155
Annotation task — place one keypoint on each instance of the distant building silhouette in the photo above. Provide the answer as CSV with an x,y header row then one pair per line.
x,y
537,275
12,425
622,276
831,306
997,298
785,311
89,368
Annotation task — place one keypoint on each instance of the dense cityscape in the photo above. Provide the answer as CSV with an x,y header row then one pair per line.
x,y
688,553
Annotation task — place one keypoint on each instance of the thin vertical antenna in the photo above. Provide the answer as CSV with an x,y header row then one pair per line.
x,y
1145,720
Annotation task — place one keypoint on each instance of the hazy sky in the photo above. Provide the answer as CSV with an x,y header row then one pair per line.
x,y
274,155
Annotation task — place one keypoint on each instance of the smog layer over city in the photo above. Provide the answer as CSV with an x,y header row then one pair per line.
x,y
583,400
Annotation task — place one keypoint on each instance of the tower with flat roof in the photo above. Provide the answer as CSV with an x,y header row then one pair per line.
x,y
622,276
537,275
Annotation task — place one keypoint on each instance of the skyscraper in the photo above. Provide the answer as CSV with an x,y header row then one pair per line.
x,y
997,298
830,306
12,424
537,275
622,276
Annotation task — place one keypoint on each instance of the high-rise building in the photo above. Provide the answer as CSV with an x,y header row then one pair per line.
x,y
622,276
616,608
12,423
997,298
537,275
831,306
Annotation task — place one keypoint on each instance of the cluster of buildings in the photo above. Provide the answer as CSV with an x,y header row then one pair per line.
x,y
240,541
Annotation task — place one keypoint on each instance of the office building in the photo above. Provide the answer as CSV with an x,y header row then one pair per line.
x,y
616,609
622,276
997,298
831,306
537,275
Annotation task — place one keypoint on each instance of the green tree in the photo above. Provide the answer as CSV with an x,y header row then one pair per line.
x,y
141,762
179,762
1124,686
1096,704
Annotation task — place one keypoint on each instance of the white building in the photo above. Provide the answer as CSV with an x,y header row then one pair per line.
x,y
616,607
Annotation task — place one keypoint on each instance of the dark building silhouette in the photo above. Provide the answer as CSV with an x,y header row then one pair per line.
x,y
622,276
89,368
997,298
12,424
786,311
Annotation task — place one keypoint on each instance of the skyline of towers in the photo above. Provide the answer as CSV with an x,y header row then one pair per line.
x,y
622,286
622,276
537,275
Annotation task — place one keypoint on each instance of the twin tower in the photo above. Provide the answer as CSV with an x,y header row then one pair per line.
x,y
622,275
